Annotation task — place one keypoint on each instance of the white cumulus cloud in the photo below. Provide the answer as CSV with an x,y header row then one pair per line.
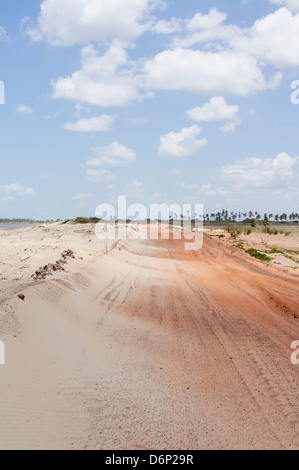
x,y
68,22
103,80
273,39
168,27
182,144
201,21
114,154
135,189
95,124
10,191
230,126
206,72
216,110
23,109
3,34
207,54
270,173
291,4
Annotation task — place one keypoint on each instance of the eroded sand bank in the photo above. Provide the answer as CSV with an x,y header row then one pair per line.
x,y
143,345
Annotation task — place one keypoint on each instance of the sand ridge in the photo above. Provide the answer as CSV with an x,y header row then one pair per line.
x,y
143,345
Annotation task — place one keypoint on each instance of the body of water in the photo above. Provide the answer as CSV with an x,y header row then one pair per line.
x,y
11,226
16,225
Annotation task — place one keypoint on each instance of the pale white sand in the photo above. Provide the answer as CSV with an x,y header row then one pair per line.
x,y
140,344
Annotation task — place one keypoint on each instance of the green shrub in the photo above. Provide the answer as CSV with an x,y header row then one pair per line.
x,y
233,231
257,254
81,220
86,220
240,246
275,250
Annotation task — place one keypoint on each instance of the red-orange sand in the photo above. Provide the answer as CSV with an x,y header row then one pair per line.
x,y
146,347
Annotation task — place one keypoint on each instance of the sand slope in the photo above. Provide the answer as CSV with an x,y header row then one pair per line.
x,y
146,347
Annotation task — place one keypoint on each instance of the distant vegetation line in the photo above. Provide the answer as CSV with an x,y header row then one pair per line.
x,y
226,216
217,217
7,221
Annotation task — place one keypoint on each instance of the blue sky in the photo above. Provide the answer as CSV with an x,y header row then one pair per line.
x,y
162,101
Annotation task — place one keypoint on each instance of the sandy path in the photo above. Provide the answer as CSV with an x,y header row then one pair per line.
x,y
151,347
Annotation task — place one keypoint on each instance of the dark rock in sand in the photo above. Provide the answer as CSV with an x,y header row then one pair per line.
x,y
48,269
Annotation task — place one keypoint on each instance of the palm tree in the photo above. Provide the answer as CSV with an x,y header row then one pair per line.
x,y
266,222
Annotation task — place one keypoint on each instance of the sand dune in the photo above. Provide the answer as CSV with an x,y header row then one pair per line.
x,y
143,345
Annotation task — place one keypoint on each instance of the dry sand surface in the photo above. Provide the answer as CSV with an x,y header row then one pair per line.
x,y
143,345
287,256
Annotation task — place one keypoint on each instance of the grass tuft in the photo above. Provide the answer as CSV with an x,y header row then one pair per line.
x,y
258,255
